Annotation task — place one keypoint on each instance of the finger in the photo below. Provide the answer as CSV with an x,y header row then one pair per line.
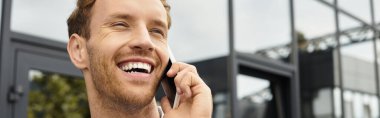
x,y
176,67
187,81
181,85
165,104
179,66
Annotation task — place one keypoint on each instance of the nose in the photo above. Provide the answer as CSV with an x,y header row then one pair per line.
x,y
141,40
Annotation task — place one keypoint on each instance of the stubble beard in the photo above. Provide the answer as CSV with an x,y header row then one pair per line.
x,y
110,89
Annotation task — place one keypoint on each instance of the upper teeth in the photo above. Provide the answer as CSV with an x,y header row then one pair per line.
x,y
136,65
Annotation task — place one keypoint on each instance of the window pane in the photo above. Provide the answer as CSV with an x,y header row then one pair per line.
x,y
220,105
43,18
337,103
261,26
358,67
58,96
357,54
322,104
199,34
315,25
358,8
377,10
313,18
199,29
255,98
360,105
329,1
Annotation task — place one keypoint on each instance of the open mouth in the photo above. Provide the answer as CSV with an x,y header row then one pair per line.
x,y
136,67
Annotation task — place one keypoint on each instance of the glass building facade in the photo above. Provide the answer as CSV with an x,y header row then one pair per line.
x,y
261,58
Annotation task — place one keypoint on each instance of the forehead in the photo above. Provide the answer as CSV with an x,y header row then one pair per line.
x,y
140,9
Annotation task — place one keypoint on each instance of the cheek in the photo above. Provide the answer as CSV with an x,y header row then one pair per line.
x,y
162,51
109,42
106,50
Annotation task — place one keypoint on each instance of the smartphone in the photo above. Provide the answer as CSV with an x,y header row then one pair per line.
x,y
168,84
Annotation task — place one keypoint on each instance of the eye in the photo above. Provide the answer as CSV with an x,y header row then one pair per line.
x,y
158,31
119,24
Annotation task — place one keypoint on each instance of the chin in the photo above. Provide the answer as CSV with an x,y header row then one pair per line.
x,y
135,95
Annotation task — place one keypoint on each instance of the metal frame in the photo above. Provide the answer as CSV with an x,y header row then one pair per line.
x,y
42,53
376,34
327,40
339,10
19,54
29,57
31,52
232,64
280,76
373,26
273,67
333,42
6,60
337,38
355,35
294,82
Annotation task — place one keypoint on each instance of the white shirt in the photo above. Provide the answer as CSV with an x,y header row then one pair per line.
x,y
160,112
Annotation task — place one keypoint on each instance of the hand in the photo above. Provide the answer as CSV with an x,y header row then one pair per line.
x,y
196,99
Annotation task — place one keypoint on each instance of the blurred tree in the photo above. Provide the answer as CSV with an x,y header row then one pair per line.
x,y
302,41
53,95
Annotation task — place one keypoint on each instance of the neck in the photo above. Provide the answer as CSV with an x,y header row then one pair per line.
x,y
103,108
99,110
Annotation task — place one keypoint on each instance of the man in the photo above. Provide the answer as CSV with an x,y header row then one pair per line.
x,y
121,48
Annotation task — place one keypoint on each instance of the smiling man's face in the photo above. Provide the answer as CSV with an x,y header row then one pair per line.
x,y
127,50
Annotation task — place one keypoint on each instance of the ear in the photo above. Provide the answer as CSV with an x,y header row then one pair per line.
x,y
76,47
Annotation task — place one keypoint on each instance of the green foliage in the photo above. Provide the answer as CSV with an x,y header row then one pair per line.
x,y
56,96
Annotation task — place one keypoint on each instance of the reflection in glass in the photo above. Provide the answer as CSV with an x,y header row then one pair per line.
x,y
356,104
357,56
314,25
255,97
261,26
53,95
360,105
220,105
337,103
322,104
358,67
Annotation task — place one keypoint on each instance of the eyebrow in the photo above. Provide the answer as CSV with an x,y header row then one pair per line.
x,y
157,22
119,16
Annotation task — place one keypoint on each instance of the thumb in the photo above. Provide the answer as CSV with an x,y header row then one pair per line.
x,y
165,104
